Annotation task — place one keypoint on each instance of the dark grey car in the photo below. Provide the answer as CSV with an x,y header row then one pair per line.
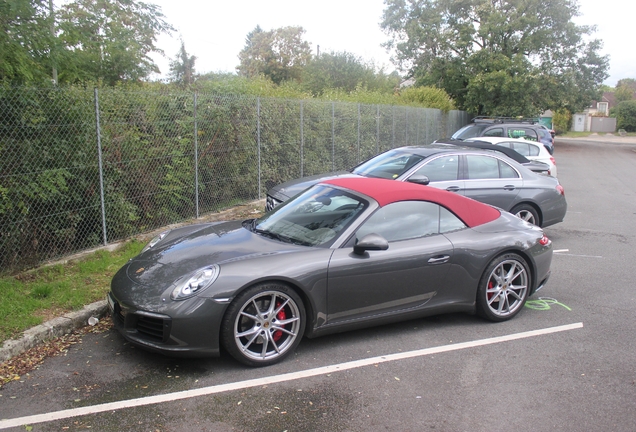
x,y
344,254
483,175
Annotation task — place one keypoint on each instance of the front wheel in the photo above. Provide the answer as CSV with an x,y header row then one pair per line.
x,y
527,213
264,324
503,288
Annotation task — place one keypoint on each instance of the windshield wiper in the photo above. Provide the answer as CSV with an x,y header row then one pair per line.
x,y
281,237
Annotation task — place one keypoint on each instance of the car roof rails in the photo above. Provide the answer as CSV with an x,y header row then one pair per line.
x,y
497,119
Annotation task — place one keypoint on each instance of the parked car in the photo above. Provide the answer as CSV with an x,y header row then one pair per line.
x,y
509,127
484,175
345,254
529,149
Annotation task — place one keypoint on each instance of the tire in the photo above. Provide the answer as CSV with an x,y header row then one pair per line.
x,y
503,288
263,324
527,213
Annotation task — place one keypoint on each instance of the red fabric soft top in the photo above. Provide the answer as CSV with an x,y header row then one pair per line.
x,y
472,212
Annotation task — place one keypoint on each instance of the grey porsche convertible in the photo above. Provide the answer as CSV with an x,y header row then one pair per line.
x,y
344,254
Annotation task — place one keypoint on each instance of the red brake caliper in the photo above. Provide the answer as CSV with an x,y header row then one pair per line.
x,y
490,287
280,316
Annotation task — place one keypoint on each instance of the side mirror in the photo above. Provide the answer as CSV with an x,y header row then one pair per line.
x,y
419,179
369,242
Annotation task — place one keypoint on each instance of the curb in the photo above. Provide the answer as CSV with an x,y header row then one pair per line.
x,y
52,329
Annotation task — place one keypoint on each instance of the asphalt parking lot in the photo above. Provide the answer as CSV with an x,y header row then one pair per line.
x,y
567,362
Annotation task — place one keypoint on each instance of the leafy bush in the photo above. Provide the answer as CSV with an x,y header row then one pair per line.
x,y
626,115
561,121
428,97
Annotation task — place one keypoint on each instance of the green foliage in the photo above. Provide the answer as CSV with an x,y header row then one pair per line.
x,y
561,121
279,54
624,93
516,57
25,41
182,67
108,41
627,82
345,72
429,97
626,115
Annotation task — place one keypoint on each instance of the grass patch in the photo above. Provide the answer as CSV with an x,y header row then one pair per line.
x,y
31,297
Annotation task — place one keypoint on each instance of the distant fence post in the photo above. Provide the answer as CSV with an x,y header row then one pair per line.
x,y
377,129
333,136
258,142
302,140
358,155
196,158
99,163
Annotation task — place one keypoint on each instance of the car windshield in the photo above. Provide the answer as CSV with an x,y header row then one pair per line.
x,y
470,131
313,218
388,165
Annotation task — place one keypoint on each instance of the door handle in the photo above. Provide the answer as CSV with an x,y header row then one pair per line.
x,y
439,259
509,187
453,188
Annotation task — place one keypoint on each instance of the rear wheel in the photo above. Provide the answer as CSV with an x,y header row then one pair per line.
x,y
503,288
264,324
527,213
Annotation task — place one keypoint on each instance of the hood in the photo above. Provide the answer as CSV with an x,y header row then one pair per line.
x,y
285,191
207,244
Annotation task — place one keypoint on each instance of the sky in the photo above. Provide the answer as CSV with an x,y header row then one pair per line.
x,y
214,31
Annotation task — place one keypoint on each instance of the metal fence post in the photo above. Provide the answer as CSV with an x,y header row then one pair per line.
x,y
377,129
333,136
196,158
358,156
302,140
258,142
99,162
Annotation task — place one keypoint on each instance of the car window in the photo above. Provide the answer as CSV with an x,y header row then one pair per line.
x,y
449,222
522,132
403,220
486,167
313,218
494,132
521,148
506,171
469,131
389,165
444,168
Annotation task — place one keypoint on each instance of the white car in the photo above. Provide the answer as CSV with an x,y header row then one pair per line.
x,y
530,149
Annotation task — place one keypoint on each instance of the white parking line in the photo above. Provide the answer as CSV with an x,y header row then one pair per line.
x,y
150,400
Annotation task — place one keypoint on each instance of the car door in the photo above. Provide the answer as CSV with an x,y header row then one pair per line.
x,y
406,275
491,181
442,172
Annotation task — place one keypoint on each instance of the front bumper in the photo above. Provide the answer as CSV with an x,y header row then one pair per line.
x,y
192,331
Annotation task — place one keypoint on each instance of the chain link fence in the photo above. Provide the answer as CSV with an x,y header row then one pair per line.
x,y
81,168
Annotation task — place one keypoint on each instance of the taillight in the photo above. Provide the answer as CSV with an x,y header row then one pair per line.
x,y
544,240
560,189
553,160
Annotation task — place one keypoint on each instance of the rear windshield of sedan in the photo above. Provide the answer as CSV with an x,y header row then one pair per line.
x,y
470,131
388,165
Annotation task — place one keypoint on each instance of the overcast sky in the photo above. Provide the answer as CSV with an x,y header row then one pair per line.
x,y
214,31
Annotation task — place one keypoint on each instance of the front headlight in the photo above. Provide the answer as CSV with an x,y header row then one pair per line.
x,y
200,280
154,241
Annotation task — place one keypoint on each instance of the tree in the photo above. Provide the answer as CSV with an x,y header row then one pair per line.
x,y
25,41
626,115
108,40
623,93
344,71
182,67
627,82
512,57
279,54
